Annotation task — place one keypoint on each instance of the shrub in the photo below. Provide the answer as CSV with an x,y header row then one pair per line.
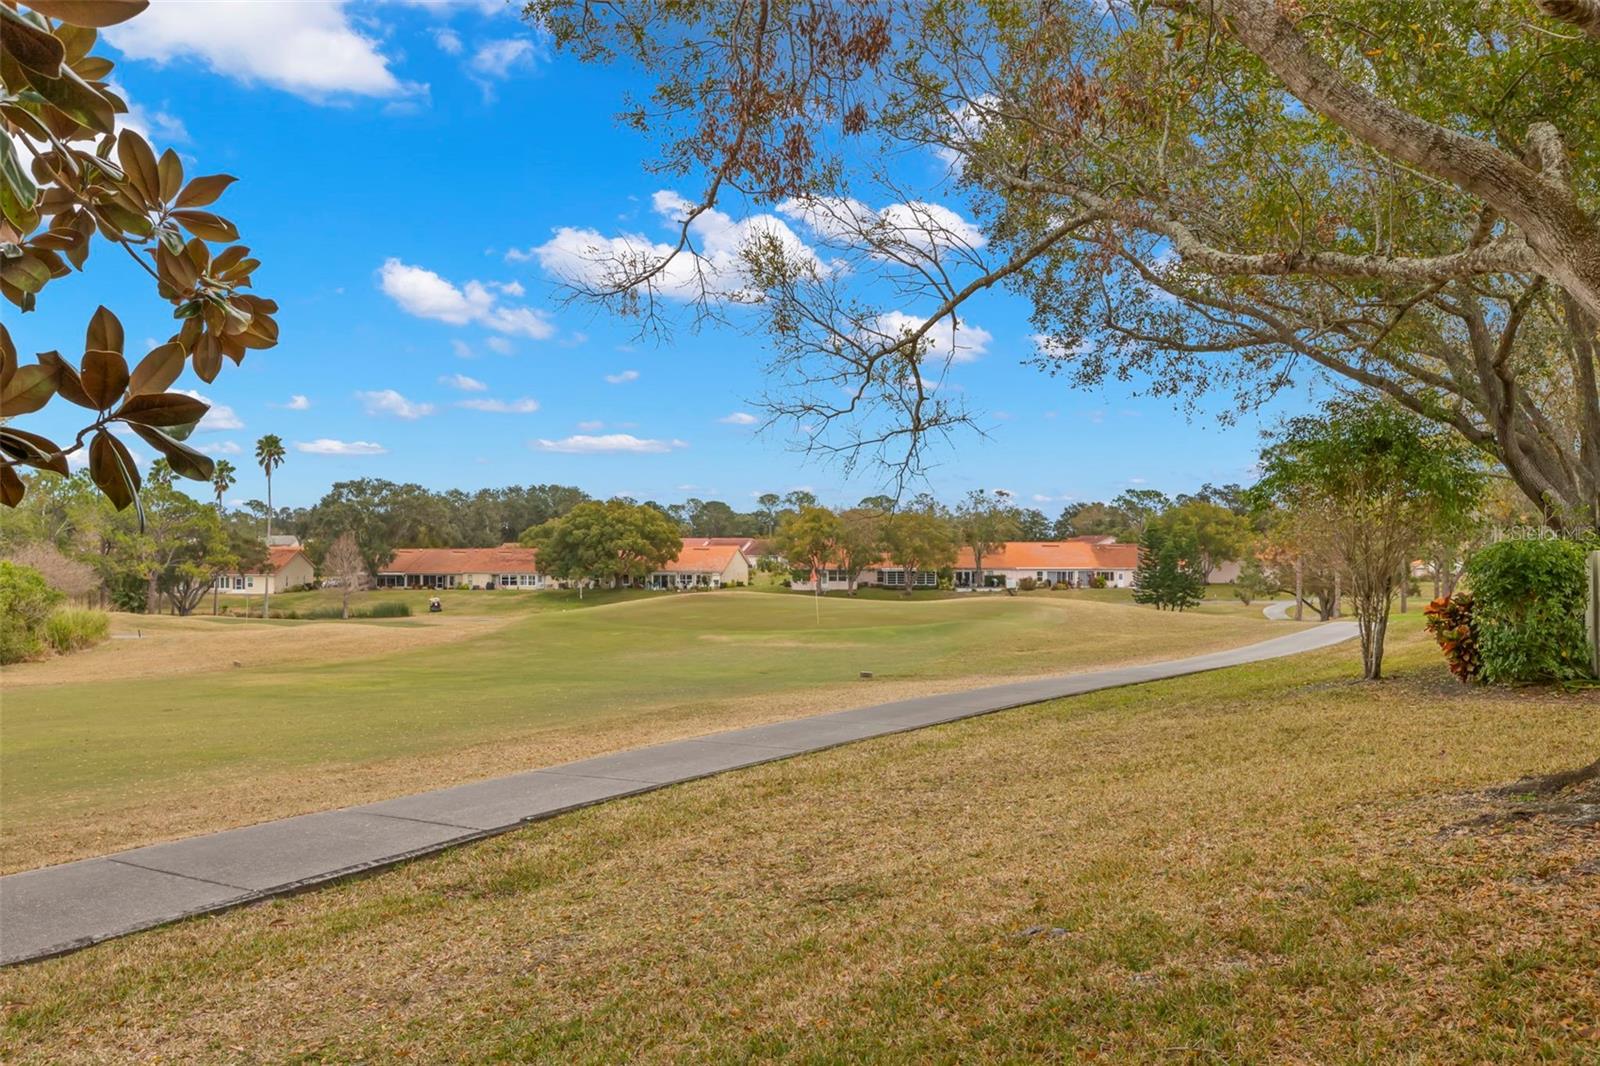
x,y
1528,600
1027,584
1098,581
1449,619
389,609
26,600
72,628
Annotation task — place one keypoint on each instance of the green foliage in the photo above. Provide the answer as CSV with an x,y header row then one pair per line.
x,y
918,540
809,539
1449,619
607,543
984,523
1253,582
383,609
1216,533
1528,601
85,177
71,628
1027,584
1169,575
25,603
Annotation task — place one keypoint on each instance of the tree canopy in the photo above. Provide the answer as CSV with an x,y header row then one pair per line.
x,y
1400,194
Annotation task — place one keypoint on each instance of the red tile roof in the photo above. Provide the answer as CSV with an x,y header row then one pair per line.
x,y
506,559
701,555
1055,555
280,556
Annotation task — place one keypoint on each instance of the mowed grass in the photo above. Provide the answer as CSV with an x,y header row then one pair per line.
x,y
1244,866
91,767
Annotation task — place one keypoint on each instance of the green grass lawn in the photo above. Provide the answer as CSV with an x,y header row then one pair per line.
x,y
91,767
1252,865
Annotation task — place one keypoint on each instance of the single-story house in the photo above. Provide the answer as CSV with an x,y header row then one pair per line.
x,y
1074,563
510,566
287,567
703,563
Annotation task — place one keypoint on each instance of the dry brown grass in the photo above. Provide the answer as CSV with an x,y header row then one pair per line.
x,y
1240,867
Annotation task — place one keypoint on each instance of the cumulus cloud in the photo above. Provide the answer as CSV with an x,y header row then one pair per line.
x,y
523,406
499,345
221,447
390,402
605,444
502,58
298,402
590,425
622,377
328,446
586,258
448,40
425,294
950,339
220,417
464,383
739,418
917,225
311,50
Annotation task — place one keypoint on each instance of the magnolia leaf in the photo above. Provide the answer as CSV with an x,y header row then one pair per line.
x,y
27,272
105,331
228,257
139,162
176,268
207,357
205,190
8,357
105,377
95,13
170,169
30,44
113,471
158,370
184,460
17,190
33,449
12,487
162,409
77,100
68,383
205,224
127,220
29,389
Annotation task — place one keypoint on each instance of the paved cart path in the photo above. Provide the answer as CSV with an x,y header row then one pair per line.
x,y
56,909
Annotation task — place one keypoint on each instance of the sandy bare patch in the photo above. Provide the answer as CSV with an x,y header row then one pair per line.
x,y
152,646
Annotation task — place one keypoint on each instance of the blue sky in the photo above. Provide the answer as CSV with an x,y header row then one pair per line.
x,y
406,172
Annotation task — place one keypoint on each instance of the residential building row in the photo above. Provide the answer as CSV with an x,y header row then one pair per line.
x,y
1078,562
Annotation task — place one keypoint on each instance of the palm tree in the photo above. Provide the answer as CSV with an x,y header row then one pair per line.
x,y
269,454
222,480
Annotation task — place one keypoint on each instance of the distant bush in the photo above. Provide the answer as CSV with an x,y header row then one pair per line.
x,y
72,628
1098,581
386,609
1027,584
1528,600
26,600
1449,619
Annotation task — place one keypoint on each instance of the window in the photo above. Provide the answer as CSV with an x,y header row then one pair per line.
x,y
927,579
891,577
836,575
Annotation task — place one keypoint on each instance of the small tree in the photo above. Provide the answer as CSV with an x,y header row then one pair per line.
x,y
810,538
984,524
860,541
1169,575
1217,534
1253,582
1383,483
918,540
345,563
610,542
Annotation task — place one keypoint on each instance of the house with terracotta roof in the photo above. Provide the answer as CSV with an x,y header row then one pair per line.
x,y
510,566
1073,563
287,567
704,562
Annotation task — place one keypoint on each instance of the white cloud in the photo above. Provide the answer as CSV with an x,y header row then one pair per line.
x,y
739,418
623,377
328,446
499,345
523,406
591,425
448,40
390,402
220,417
464,383
587,258
298,402
157,127
462,349
916,225
948,339
423,293
609,443
311,50
502,58
221,447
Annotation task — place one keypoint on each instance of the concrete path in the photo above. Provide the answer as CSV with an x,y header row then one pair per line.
x,y
57,909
